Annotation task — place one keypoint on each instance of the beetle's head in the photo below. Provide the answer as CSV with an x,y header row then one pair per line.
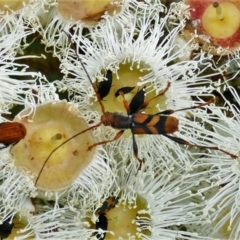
x,y
106,118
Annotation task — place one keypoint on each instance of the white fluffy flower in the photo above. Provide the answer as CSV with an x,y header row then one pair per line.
x,y
222,207
55,25
54,223
155,206
141,46
11,89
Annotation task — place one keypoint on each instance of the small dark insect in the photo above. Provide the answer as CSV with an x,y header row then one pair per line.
x,y
6,228
124,90
137,101
103,87
102,224
138,123
107,205
11,133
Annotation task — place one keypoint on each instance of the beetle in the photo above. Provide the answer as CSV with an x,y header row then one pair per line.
x,y
6,228
11,133
124,90
160,123
102,223
137,101
103,87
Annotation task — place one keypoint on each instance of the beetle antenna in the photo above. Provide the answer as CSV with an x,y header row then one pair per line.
x,y
85,70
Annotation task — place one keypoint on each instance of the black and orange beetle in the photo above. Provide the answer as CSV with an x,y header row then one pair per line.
x,y
142,123
102,222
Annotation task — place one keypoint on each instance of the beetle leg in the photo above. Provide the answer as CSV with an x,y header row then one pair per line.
x,y
135,151
126,105
171,111
182,141
117,136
